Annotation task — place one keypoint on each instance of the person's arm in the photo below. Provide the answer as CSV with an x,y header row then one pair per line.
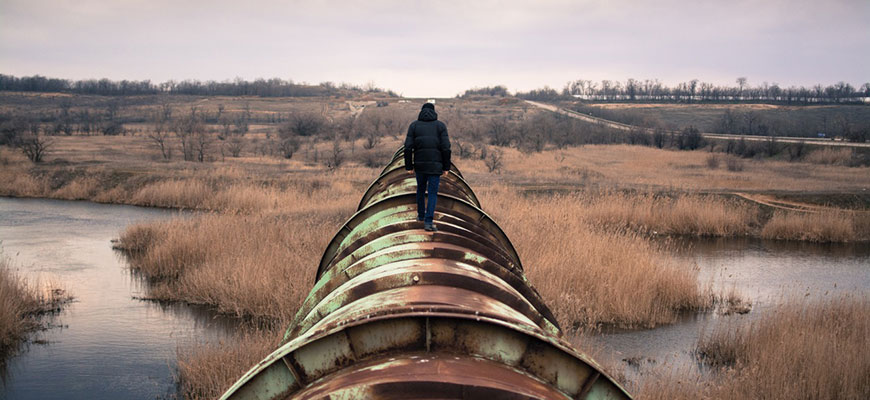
x,y
409,148
444,143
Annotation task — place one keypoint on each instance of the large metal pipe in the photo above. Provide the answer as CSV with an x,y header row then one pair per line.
x,y
397,312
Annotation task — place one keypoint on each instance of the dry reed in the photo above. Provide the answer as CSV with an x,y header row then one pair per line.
x,y
22,304
830,156
829,226
696,215
258,265
818,350
206,370
585,272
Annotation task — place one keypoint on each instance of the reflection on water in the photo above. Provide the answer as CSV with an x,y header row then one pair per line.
x,y
107,345
763,271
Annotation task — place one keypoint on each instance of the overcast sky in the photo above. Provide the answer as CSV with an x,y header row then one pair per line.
x,y
440,48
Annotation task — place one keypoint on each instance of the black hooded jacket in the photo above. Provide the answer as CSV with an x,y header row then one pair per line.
x,y
427,147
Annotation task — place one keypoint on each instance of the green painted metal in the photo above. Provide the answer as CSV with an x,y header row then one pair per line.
x,y
398,312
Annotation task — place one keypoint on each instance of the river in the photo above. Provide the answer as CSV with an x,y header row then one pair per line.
x,y
764,272
108,345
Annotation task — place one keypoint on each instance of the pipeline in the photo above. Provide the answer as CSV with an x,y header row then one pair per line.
x,y
397,312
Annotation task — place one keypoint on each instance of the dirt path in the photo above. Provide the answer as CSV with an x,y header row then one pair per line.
x,y
789,205
357,107
713,136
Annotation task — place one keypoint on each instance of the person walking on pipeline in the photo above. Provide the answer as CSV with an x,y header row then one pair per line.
x,y
427,154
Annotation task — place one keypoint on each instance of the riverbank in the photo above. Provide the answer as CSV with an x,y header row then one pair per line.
x,y
24,307
807,349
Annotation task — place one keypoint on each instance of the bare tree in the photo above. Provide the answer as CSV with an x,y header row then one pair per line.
x,y
336,157
243,120
498,129
11,129
65,121
34,144
370,126
346,127
392,122
159,134
201,143
288,146
190,132
494,161
741,83
372,139
304,124
112,125
235,145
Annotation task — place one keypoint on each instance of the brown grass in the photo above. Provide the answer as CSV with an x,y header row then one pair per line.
x,y
818,350
650,169
22,304
259,265
830,156
827,226
583,271
699,215
206,370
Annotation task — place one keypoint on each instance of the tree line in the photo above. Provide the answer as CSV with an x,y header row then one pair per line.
x,y
695,91
274,87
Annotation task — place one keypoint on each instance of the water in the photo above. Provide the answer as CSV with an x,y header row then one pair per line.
x,y
105,345
764,272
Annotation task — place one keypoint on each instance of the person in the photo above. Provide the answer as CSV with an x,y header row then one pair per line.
x,y
427,154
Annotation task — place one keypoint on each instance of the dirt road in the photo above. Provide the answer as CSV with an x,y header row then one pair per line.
x,y
713,136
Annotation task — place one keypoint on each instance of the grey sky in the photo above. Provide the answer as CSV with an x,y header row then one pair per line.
x,y
439,48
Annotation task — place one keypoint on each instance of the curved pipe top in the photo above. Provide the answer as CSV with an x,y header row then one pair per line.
x,y
399,181
376,215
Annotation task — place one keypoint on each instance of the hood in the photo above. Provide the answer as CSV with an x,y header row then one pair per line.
x,y
427,114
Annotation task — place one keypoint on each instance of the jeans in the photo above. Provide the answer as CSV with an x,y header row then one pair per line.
x,y
426,182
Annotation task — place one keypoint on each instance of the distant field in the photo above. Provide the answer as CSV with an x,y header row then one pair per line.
x,y
789,120
47,107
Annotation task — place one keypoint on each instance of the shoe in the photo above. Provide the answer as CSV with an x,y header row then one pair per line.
x,y
430,227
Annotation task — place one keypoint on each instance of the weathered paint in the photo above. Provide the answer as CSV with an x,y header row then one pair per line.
x,y
397,312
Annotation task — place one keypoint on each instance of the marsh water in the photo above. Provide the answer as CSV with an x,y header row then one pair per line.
x,y
109,345
106,344
764,272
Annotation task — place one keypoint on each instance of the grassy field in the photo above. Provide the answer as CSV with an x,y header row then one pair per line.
x,y
581,217
806,120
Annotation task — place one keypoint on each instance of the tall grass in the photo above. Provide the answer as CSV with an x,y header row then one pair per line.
x,y
830,156
584,272
22,304
826,226
697,215
259,265
818,350
206,370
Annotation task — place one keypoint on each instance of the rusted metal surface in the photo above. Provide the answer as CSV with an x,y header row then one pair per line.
x,y
397,312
